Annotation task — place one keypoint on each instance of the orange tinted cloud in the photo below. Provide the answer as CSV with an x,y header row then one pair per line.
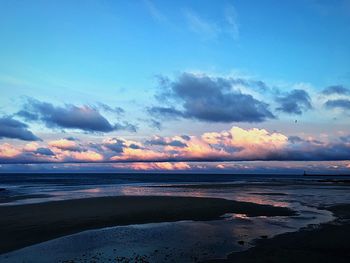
x,y
89,156
64,144
160,166
139,154
8,151
31,147
235,144
250,143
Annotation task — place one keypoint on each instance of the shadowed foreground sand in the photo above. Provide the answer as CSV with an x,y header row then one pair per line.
x,y
327,243
24,225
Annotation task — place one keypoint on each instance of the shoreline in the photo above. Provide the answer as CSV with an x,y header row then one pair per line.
x,y
29,224
324,243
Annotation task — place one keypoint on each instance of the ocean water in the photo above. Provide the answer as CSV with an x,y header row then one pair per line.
x,y
183,241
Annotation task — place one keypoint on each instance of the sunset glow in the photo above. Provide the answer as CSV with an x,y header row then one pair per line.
x,y
216,85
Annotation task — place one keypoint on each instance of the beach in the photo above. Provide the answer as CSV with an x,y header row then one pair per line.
x,y
323,243
172,218
23,225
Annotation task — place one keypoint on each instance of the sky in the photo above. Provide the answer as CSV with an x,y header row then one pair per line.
x,y
175,86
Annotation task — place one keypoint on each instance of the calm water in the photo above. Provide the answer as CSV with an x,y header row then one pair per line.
x,y
184,241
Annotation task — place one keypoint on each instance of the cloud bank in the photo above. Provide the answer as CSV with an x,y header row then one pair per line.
x,y
236,144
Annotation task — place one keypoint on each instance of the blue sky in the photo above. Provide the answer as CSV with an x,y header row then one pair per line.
x,y
84,53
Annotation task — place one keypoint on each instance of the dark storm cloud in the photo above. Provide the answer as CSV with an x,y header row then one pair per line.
x,y
295,102
210,99
85,118
340,103
11,128
163,142
337,89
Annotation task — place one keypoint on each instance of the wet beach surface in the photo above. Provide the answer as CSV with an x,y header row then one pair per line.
x,y
325,243
185,241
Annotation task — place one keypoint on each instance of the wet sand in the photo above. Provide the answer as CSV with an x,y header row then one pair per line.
x,y
8,199
320,244
24,225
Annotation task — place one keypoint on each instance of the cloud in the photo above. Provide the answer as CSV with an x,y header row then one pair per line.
x,y
155,124
295,139
233,145
232,21
295,102
337,89
14,129
87,156
339,103
247,144
160,166
116,145
107,108
28,116
84,118
65,145
119,145
185,137
130,154
8,151
125,126
166,112
158,140
207,29
200,26
236,144
345,139
44,151
210,99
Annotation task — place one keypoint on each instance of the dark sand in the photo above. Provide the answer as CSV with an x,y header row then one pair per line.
x,y
272,194
327,243
8,199
223,186
24,225
198,186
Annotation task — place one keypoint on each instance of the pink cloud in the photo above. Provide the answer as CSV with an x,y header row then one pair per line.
x,y
235,144
160,166
64,144
8,151
88,156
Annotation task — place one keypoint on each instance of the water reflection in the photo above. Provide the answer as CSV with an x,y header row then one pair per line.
x,y
184,241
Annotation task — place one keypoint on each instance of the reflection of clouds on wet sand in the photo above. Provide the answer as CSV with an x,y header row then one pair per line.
x,y
266,200
190,241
